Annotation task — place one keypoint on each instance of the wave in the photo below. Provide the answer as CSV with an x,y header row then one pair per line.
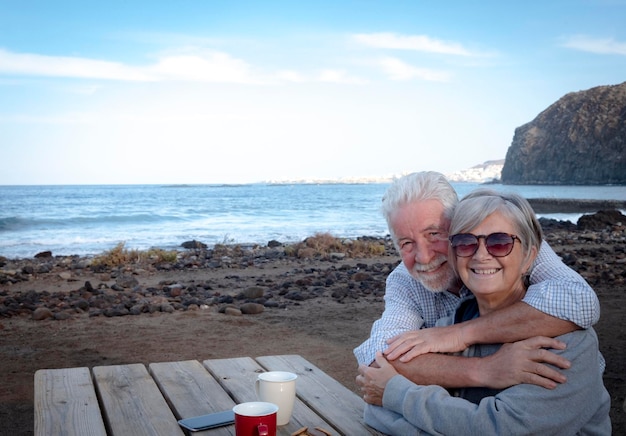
x,y
16,223
13,223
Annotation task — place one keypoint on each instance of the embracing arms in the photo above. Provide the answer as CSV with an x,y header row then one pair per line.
x,y
515,363
580,406
556,290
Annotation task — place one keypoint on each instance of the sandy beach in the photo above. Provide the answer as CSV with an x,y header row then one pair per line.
x,y
319,306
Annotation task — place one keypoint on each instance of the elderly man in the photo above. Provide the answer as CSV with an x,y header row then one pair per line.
x,y
423,288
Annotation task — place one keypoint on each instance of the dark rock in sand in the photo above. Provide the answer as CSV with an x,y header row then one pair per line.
x,y
232,311
194,245
339,294
42,313
62,316
251,308
115,311
138,309
602,220
82,304
361,276
552,224
253,292
167,307
126,281
225,299
296,296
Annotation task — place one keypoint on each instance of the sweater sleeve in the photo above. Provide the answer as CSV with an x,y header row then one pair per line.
x,y
580,405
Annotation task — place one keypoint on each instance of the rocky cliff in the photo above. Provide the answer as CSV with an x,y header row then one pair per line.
x,y
579,140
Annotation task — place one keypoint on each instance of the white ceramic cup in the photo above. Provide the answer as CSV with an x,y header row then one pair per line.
x,y
278,387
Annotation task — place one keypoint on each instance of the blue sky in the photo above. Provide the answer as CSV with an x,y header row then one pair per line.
x,y
239,91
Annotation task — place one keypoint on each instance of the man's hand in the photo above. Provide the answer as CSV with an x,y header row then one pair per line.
x,y
525,362
373,380
409,345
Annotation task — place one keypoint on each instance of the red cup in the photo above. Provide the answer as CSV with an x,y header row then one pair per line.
x,y
255,418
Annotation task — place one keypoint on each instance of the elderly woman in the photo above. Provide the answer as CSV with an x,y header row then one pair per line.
x,y
494,240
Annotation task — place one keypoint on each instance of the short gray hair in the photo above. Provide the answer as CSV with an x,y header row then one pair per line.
x,y
475,207
425,185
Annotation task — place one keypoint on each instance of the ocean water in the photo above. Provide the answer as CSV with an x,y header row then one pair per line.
x,y
88,220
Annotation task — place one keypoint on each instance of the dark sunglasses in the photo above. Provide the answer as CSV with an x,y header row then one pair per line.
x,y
497,244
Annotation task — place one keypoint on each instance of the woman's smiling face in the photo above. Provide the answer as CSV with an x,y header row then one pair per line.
x,y
495,281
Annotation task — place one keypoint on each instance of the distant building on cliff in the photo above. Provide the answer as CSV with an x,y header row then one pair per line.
x,y
488,172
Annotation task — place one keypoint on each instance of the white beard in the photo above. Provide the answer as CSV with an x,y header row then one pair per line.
x,y
439,282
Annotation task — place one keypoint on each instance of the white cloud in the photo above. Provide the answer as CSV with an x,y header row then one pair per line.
x,y
414,42
64,66
209,66
397,69
205,66
595,45
212,67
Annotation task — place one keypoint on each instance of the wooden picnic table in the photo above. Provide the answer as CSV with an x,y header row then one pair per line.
x,y
134,400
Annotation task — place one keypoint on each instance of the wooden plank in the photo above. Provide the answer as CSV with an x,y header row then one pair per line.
x,y
66,403
132,403
322,393
237,376
191,391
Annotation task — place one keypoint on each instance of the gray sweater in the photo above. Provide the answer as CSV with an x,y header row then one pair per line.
x,y
579,406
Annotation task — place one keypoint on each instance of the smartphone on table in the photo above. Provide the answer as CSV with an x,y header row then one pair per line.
x,y
205,422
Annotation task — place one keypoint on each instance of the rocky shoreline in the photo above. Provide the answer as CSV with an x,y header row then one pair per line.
x,y
144,287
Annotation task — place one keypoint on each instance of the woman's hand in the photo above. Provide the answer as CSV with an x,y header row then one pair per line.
x,y
409,345
373,380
